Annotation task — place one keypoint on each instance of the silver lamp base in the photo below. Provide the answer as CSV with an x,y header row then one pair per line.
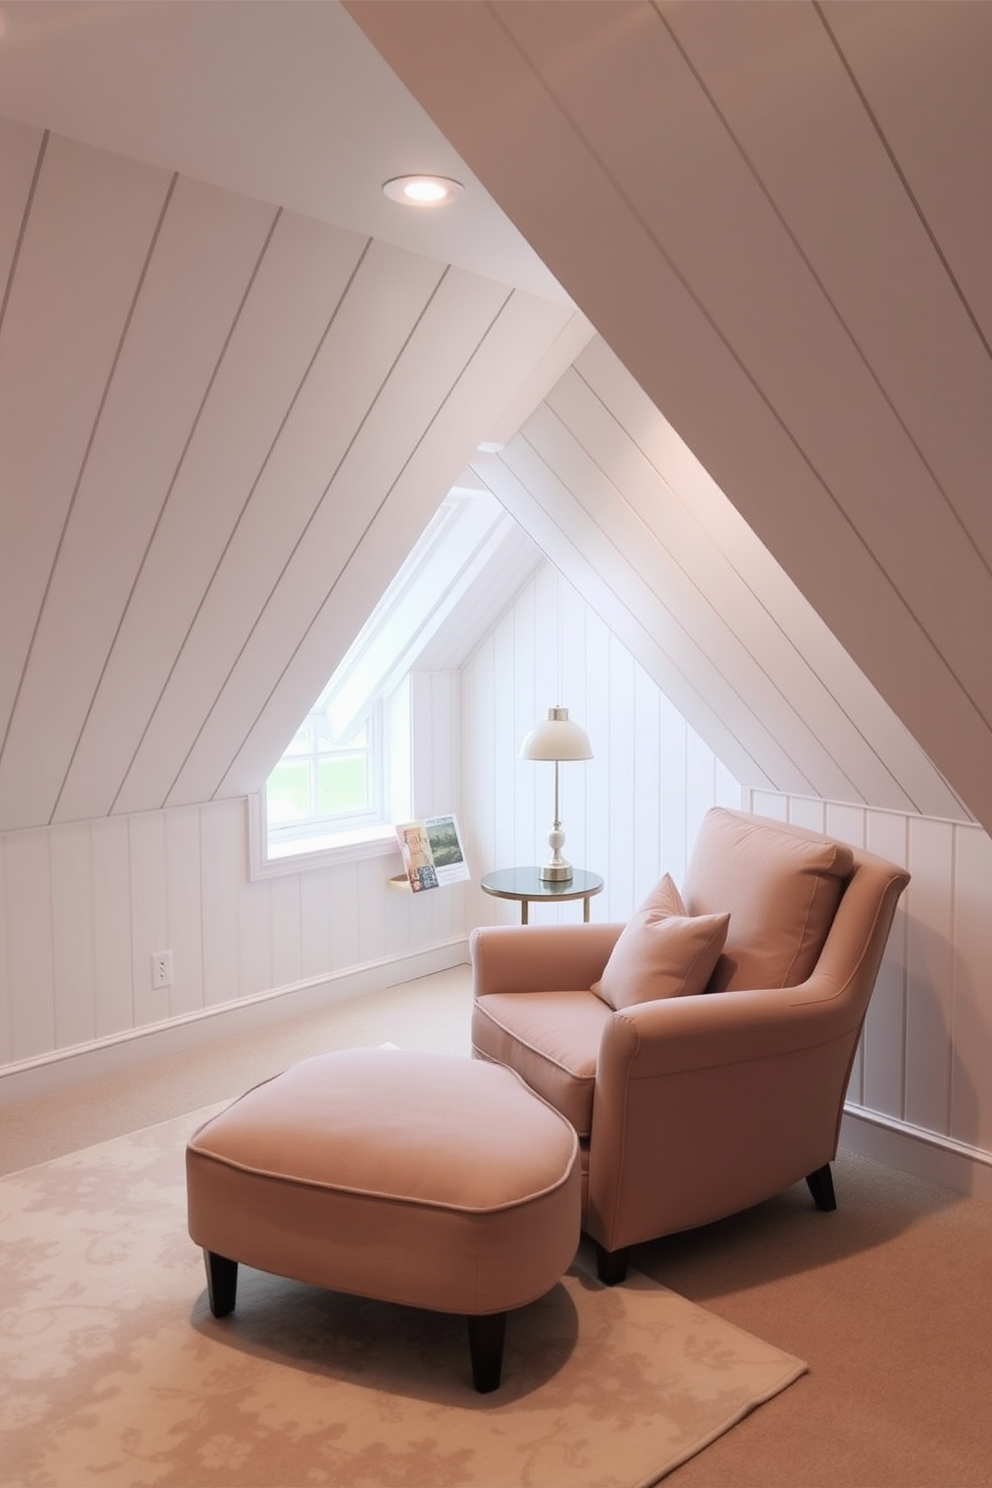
x,y
556,872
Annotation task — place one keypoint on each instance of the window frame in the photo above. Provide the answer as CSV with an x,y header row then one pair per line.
x,y
439,573
343,823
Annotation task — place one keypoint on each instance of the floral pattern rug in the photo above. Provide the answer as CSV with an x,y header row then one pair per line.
x,y
114,1372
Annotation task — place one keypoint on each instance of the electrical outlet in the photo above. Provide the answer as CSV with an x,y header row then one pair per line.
x,y
162,969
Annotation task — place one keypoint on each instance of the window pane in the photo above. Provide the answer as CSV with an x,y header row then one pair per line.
x,y
301,739
287,794
342,784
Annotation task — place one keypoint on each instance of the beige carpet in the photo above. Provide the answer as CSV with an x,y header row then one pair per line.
x,y
116,1374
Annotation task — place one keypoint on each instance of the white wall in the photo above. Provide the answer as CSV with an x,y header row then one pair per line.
x,y
921,1091
83,906
632,811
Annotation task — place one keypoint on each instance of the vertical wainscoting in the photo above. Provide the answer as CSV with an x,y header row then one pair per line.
x,y
632,811
84,906
921,1090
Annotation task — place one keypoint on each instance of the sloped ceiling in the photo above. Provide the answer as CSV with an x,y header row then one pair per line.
x,y
620,505
225,415
777,218
222,427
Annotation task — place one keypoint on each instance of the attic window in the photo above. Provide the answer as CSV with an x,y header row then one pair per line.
x,y
345,777
322,779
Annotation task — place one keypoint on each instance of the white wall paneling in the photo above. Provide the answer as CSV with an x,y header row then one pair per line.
x,y
632,811
6,998
28,944
149,913
85,905
930,976
184,896
883,1044
971,1011
920,1095
113,973
74,987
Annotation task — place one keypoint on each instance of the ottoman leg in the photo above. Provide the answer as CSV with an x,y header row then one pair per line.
x,y
485,1342
222,1282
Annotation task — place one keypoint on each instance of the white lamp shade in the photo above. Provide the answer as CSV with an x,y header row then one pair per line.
x,y
557,738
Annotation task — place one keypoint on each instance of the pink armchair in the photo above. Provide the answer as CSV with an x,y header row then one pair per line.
x,y
692,1107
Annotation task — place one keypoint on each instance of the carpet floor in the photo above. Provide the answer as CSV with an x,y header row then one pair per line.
x,y
888,1298
116,1373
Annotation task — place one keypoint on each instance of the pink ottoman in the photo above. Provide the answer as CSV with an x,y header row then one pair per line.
x,y
423,1179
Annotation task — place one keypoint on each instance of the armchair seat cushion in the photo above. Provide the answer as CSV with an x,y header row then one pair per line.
x,y
551,1039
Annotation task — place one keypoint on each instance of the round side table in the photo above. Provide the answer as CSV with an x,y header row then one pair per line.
x,y
527,887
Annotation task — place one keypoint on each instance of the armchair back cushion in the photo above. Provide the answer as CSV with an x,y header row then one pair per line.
x,y
781,890
662,951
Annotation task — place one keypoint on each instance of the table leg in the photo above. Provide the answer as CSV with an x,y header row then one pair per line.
x,y
524,907
585,909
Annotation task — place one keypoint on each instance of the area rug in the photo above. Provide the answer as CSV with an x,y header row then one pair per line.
x,y
114,1372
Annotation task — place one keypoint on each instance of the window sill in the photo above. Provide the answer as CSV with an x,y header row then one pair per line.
x,y
307,854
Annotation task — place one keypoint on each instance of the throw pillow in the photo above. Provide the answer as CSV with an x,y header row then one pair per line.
x,y
662,951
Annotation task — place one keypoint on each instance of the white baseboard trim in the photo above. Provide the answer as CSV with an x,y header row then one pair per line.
x,y
924,1154
65,1067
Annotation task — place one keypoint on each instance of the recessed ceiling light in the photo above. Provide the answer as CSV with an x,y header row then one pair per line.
x,y
423,191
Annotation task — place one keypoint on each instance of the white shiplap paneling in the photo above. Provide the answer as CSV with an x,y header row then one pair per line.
x,y
28,944
299,282
182,315
722,199
86,242
251,406
552,648
74,984
971,1013
632,812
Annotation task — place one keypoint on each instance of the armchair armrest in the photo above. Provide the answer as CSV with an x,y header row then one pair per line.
x,y
703,1105
682,1034
539,958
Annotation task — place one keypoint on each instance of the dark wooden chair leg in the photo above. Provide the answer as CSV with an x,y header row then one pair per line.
x,y
821,1186
611,1265
222,1283
485,1342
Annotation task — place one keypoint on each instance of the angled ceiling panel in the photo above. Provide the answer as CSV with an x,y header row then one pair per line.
x,y
886,766
295,294
175,337
20,155
461,372
326,426
87,229
738,196
610,488
531,490
256,415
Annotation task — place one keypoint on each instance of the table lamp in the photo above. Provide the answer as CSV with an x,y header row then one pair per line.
x,y
557,738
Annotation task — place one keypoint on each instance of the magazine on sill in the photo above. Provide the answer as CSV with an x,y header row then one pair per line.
x,y
432,852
